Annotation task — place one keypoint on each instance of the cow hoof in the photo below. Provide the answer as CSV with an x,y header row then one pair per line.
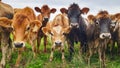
x,y
16,66
2,66
45,51
50,60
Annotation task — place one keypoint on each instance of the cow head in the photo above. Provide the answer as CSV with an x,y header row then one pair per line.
x,y
115,18
103,24
74,14
22,27
57,34
45,12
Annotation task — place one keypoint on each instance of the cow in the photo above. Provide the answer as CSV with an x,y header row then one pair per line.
x,y
6,14
25,29
98,35
78,30
57,29
115,33
44,18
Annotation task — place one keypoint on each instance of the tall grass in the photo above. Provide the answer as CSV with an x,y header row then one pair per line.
x,y
42,59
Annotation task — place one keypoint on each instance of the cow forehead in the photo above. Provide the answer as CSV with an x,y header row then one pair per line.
x,y
57,29
45,8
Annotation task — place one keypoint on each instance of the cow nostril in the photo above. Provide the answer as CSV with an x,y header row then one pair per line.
x,y
18,45
58,43
46,19
103,35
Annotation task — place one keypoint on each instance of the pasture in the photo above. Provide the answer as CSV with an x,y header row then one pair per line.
x,y
42,59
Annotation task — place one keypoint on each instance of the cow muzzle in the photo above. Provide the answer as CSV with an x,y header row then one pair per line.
x,y
74,25
105,36
19,44
45,19
58,43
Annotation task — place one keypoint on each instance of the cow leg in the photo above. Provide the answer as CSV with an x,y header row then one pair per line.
x,y
63,57
19,57
9,51
4,48
89,54
112,49
33,47
118,47
45,43
51,55
71,50
38,43
100,56
101,51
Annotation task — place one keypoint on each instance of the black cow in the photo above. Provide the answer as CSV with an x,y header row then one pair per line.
x,y
98,35
77,22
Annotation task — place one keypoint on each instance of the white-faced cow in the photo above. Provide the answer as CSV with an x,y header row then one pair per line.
x,y
57,29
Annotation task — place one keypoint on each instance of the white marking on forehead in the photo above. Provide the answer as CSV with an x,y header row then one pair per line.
x,y
57,29
35,29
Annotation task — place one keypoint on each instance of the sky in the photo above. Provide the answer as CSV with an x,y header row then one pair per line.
x,y
112,6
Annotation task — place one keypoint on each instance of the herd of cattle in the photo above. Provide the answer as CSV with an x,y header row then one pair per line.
x,y
94,33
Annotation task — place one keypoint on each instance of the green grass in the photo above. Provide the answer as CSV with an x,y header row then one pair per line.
x,y
42,59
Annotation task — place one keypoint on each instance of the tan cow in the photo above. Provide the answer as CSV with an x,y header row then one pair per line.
x,y
44,18
25,28
58,29
6,14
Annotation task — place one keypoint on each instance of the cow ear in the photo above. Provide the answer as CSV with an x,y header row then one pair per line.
x,y
53,10
37,9
63,10
85,10
46,31
5,24
35,25
66,30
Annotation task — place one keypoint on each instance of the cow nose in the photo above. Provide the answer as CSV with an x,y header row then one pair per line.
x,y
18,45
105,36
46,19
75,25
58,43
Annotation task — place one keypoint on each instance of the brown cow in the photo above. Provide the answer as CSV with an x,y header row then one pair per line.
x,y
25,28
115,25
44,18
58,29
6,14
98,35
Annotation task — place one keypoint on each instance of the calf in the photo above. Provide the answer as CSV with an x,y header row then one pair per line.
x,y
115,31
6,14
58,29
98,35
25,28
77,22
44,18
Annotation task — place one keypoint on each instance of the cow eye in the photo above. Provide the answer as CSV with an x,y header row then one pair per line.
x,y
51,33
28,28
97,22
64,34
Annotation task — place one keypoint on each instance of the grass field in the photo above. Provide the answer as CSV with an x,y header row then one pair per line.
x,y
42,59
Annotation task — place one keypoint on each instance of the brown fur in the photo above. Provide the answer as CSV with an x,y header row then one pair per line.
x,y
103,14
25,28
6,14
45,13
56,29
